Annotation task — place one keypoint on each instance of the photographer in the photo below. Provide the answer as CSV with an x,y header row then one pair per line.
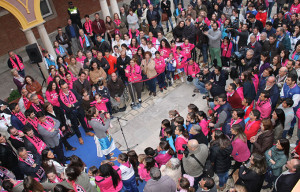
x,y
243,36
202,43
203,77
255,46
194,160
213,91
249,62
218,77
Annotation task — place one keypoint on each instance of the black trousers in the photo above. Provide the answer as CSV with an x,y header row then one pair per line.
x,y
74,117
59,152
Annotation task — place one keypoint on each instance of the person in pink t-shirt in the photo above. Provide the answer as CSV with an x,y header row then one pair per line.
x,y
160,67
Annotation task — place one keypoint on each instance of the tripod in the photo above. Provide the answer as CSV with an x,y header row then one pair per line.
x,y
127,148
44,79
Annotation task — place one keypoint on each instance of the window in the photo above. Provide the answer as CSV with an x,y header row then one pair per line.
x,y
46,9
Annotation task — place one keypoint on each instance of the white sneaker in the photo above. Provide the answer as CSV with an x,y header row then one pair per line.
x,y
172,81
293,145
182,79
288,137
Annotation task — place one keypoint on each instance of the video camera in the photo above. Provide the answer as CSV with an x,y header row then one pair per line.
x,y
185,151
237,56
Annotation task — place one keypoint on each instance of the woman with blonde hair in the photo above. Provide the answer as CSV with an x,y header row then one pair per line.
x,y
120,26
18,79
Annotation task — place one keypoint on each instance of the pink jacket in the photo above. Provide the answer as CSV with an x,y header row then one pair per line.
x,y
165,52
105,183
240,91
162,159
187,49
204,125
52,98
255,82
207,21
240,151
264,107
143,173
133,49
136,76
295,8
181,57
178,145
192,69
226,50
298,115
100,106
160,65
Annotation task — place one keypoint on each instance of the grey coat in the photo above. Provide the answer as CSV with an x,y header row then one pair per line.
x,y
83,181
99,128
190,165
50,138
164,184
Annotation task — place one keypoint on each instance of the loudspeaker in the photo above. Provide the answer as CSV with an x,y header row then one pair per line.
x,y
33,53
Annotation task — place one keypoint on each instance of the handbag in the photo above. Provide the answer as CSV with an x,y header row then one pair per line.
x,y
207,168
164,17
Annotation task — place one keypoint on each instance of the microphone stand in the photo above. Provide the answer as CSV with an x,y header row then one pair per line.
x,y
127,148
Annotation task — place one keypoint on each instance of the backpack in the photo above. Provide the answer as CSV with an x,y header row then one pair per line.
x,y
208,170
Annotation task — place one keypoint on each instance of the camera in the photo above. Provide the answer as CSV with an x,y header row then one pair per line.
x,y
186,150
237,56
203,27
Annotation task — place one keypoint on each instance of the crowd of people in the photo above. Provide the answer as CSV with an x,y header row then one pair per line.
x,y
244,135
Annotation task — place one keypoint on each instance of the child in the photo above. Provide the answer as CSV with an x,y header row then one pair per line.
x,y
133,159
173,46
190,121
127,50
145,166
92,173
69,80
170,137
164,124
187,48
160,67
104,92
202,118
178,121
52,176
226,52
86,101
151,49
134,46
192,108
170,66
100,102
181,62
164,48
127,173
182,138
191,70
172,115
133,33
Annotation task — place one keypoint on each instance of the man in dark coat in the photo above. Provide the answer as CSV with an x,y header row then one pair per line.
x,y
196,133
122,63
152,15
102,62
64,40
82,83
253,22
189,31
218,77
9,159
155,28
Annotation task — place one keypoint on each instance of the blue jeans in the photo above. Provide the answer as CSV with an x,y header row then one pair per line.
x,y
152,85
201,86
211,105
167,23
22,73
298,135
271,4
170,75
204,52
291,130
284,133
222,178
130,185
161,80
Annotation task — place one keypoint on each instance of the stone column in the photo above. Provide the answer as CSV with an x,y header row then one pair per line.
x,y
114,8
172,9
104,9
46,40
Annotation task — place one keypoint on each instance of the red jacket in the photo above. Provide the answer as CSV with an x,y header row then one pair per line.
x,y
262,17
252,128
112,63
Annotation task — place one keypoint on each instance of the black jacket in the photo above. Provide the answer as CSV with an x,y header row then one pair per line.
x,y
16,143
31,171
251,180
116,89
200,137
66,39
189,32
216,90
256,24
30,147
243,38
121,66
78,86
222,79
274,49
152,16
286,183
156,30
178,33
134,4
103,63
166,8
68,31
103,46
220,158
8,157
249,90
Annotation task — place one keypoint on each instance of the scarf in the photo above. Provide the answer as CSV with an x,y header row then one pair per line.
x,y
85,40
68,99
37,108
30,161
26,101
17,138
60,50
37,142
76,187
20,65
49,125
33,122
233,122
88,27
127,164
117,22
57,178
20,116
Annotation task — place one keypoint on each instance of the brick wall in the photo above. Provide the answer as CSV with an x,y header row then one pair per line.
x,y
11,37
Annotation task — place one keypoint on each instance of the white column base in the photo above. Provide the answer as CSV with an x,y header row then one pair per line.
x,y
104,9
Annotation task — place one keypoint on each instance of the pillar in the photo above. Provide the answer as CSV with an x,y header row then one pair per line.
x,y
172,9
46,40
104,9
31,40
114,8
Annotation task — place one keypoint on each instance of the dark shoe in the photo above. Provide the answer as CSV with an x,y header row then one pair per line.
x,y
165,88
154,94
167,30
68,158
170,83
196,91
150,93
161,90
122,109
71,149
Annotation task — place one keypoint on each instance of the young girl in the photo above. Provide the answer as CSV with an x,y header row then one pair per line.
x,y
92,173
145,166
284,57
170,137
133,46
144,43
80,58
164,48
202,118
133,159
86,101
191,69
70,80
226,52
186,184
182,138
127,173
239,87
127,50
192,108
100,102
181,62
52,176
190,121
170,66
59,50
153,40
164,124
151,49
187,48
172,115
127,39
165,153
160,67
173,46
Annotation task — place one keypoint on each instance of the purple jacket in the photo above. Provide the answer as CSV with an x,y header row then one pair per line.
x,y
262,68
